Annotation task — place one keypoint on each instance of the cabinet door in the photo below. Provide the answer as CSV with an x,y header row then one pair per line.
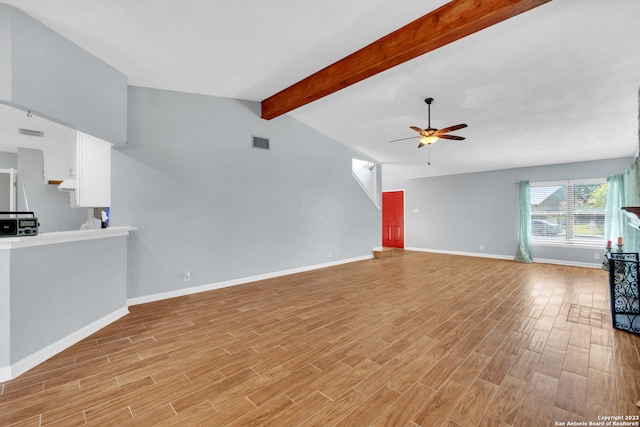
x,y
57,166
59,157
93,172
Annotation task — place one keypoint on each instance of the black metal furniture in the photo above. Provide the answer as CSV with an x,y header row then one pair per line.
x,y
623,284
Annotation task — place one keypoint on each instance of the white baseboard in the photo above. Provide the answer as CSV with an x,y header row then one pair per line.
x,y
506,257
5,374
240,281
475,254
568,263
10,372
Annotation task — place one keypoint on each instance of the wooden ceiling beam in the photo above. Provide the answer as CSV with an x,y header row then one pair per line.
x,y
451,22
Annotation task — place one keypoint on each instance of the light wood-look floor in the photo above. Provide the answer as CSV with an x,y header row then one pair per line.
x,y
417,339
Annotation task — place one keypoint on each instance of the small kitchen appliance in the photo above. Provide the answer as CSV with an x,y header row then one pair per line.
x,y
17,225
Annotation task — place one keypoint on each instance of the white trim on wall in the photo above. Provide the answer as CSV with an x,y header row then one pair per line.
x,y
31,361
240,281
5,374
474,254
567,263
510,258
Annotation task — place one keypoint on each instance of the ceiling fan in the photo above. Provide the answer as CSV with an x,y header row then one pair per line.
x,y
430,135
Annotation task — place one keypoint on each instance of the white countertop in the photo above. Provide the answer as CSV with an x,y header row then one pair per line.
x,y
63,237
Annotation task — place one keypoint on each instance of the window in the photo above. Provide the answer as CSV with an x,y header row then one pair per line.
x,y
568,211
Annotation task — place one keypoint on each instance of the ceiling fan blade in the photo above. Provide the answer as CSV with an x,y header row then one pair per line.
x,y
404,139
456,138
423,132
451,128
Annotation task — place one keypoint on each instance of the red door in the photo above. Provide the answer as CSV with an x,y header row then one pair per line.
x,y
393,219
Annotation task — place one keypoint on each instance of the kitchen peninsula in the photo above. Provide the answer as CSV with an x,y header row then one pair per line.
x,y
56,289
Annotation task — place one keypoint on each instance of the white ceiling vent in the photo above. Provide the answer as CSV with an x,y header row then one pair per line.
x,y
30,132
259,142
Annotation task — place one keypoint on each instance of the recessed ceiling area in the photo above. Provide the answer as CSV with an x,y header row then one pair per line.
x,y
12,120
556,84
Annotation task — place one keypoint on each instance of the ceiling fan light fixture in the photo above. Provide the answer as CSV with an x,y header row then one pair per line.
x,y
428,139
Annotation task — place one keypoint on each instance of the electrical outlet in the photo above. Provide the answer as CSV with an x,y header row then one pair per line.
x,y
596,255
330,254
481,247
187,276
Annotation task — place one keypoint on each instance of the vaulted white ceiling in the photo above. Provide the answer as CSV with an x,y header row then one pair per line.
x,y
556,84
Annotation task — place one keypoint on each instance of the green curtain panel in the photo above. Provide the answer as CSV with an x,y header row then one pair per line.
x,y
631,198
614,218
622,190
524,252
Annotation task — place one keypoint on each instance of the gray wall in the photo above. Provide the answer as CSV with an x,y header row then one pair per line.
x,y
50,205
8,160
5,311
58,290
5,52
46,73
5,192
206,202
459,213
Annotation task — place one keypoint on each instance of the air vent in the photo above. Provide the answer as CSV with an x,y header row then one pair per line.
x,y
30,132
261,143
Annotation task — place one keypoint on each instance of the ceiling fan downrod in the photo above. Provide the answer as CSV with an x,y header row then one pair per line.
x,y
428,101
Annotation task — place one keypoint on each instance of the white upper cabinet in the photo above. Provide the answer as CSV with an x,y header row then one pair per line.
x,y
56,163
59,159
92,171
89,180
